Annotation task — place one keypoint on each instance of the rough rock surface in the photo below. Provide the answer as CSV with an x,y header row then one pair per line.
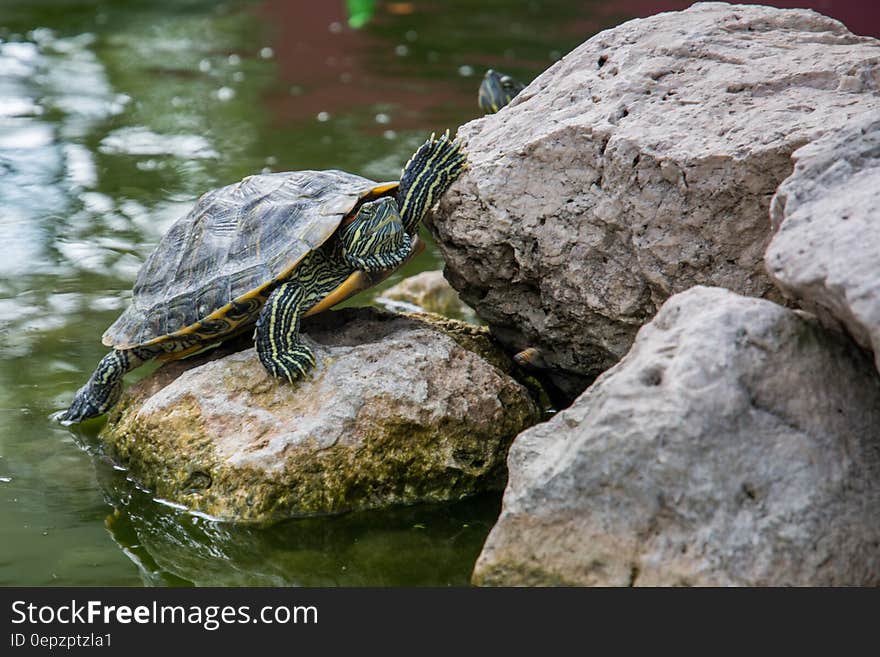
x,y
826,252
738,443
642,164
398,411
428,291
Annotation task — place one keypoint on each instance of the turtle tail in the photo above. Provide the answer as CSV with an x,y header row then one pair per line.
x,y
427,175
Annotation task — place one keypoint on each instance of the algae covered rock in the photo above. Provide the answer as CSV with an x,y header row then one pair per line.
x,y
397,411
638,166
737,443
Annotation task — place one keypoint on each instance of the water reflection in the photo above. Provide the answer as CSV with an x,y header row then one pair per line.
x,y
418,546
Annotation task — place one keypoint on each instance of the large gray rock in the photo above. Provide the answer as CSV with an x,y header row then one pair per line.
x,y
826,251
738,443
398,411
642,164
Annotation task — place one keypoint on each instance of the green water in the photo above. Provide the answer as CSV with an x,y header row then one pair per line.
x,y
114,117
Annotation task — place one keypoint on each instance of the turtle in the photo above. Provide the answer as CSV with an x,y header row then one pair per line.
x,y
496,90
261,254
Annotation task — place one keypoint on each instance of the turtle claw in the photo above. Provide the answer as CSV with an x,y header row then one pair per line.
x,y
59,417
291,366
80,409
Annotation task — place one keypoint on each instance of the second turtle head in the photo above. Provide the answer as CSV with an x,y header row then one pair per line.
x,y
497,90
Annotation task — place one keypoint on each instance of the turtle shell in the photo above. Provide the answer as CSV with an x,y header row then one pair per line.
x,y
233,246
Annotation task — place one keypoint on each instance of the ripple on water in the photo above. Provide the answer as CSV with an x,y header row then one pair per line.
x,y
13,309
97,202
143,141
18,59
81,170
24,240
10,107
84,255
74,83
25,135
102,303
42,167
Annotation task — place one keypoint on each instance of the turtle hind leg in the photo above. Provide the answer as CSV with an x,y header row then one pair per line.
x,y
104,387
278,343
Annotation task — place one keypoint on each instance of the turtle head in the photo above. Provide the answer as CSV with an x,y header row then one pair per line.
x,y
381,217
376,230
497,90
427,176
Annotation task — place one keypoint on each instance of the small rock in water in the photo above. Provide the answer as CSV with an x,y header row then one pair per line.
x,y
428,291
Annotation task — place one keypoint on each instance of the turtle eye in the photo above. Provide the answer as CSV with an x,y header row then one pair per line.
x,y
508,83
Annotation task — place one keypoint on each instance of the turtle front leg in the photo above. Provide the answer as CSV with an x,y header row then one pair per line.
x,y
104,387
278,342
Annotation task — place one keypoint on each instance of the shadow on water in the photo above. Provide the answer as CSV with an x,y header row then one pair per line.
x,y
115,115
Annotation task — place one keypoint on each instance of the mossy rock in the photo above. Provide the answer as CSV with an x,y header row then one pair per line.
x,y
399,410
